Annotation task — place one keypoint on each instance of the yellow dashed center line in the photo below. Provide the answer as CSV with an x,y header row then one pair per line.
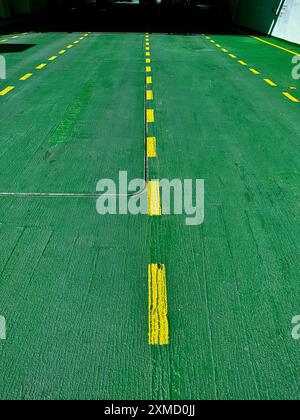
x,y
243,63
158,305
254,71
270,82
149,80
26,77
150,116
6,90
232,56
151,147
148,69
62,52
291,97
148,60
41,66
54,57
224,50
149,95
148,54
70,46
154,204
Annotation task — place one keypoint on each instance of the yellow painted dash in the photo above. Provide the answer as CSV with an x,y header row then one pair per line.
x,y
151,147
291,97
154,204
224,50
149,80
158,305
232,56
54,57
243,63
6,90
62,52
149,95
70,46
270,82
148,69
148,60
148,54
41,66
254,71
26,77
150,116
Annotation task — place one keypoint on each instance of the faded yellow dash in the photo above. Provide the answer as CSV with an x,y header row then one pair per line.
x,y
150,116
148,69
148,60
81,38
53,58
76,42
243,63
158,305
293,88
291,97
254,71
4,40
212,41
154,205
207,37
62,52
151,147
6,90
149,80
15,37
275,45
41,66
148,54
270,82
218,46
232,56
224,50
27,76
149,95
147,48
70,46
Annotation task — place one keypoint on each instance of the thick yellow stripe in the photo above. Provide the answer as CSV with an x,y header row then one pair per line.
x,y
27,76
149,95
270,82
151,147
275,45
154,205
158,305
6,90
291,97
254,71
41,66
150,116
149,80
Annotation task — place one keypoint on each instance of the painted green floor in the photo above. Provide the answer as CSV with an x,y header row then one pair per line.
x,y
74,287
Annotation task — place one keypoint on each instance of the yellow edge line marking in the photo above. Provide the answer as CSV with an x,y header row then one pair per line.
x,y
151,147
41,66
6,90
254,71
26,77
149,95
53,58
270,82
275,45
154,204
158,305
291,97
243,63
150,116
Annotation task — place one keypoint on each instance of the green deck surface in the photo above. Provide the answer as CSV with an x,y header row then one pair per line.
x,y
73,285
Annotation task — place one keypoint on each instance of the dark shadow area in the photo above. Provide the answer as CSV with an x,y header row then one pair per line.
x,y
169,17
14,48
